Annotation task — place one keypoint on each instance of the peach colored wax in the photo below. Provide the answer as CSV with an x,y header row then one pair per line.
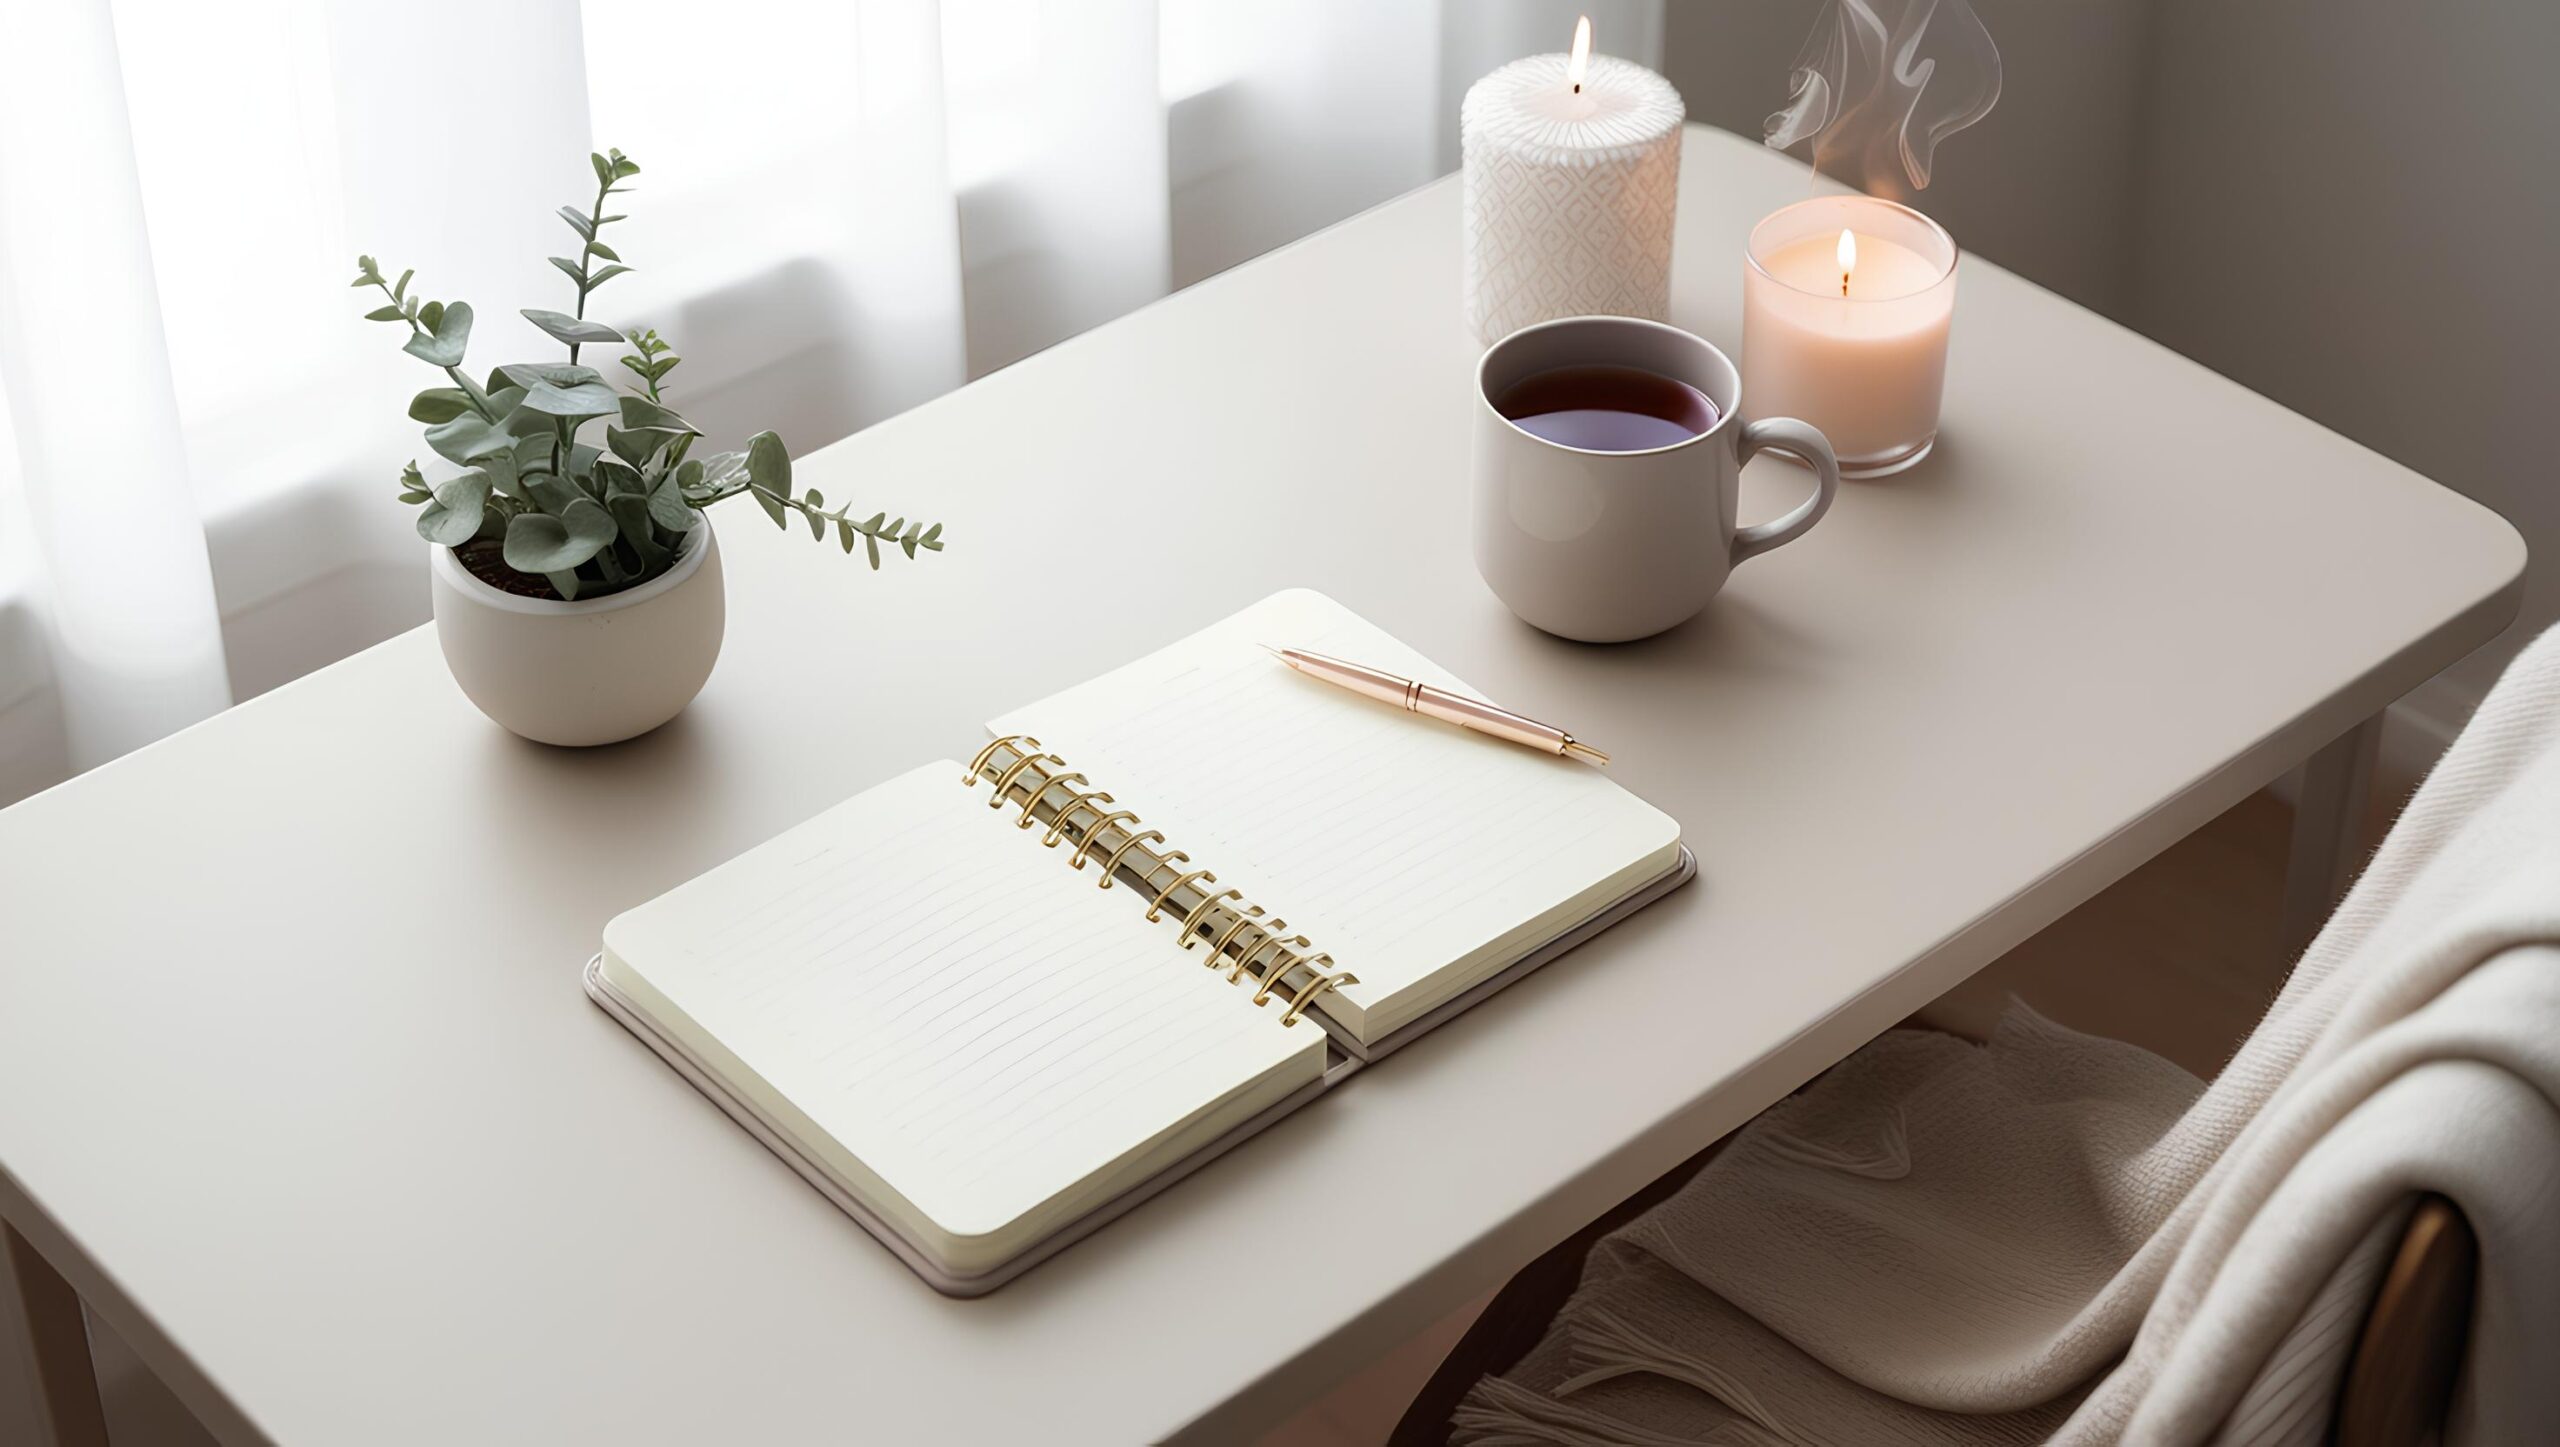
x,y
1851,337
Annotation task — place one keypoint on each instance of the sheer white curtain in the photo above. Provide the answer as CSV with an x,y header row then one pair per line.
x,y
845,209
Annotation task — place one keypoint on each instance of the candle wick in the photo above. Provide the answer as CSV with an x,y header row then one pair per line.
x,y
1577,87
1844,283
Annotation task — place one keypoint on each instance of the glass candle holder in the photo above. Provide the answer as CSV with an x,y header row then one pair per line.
x,y
1846,301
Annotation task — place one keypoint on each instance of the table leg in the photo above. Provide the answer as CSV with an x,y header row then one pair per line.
x,y
44,1344
2328,831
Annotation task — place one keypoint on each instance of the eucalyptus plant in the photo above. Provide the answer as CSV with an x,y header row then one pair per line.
x,y
589,520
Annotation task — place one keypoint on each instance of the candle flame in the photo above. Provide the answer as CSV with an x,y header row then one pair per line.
x,y
1580,65
1847,251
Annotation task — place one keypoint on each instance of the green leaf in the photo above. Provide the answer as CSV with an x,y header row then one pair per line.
x,y
608,274
598,248
454,517
817,524
443,346
604,168
470,437
504,477
871,545
570,269
632,513
529,375
767,462
616,476
635,448
641,414
719,470
538,542
772,506
668,507
526,424
430,315
439,404
400,289
386,314
562,392
571,330
624,166
367,272
551,494
578,223
566,583
845,534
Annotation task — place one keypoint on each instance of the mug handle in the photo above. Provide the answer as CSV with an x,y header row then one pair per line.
x,y
1799,440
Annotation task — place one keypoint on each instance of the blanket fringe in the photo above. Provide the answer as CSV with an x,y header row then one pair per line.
x,y
1608,1345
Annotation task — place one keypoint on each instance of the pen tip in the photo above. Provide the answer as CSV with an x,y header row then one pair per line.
x,y
1274,652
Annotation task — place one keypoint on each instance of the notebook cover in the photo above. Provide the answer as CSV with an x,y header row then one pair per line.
x,y
1350,1059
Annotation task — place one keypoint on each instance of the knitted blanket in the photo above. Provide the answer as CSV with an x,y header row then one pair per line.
x,y
2053,1236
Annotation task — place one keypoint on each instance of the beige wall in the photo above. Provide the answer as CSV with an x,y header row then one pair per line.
x,y
2352,206
2040,186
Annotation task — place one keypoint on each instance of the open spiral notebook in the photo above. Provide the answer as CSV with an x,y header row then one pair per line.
x,y
988,1005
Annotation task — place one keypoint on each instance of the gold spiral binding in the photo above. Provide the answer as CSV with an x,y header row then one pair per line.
x,y
1270,935
1155,906
1218,948
1201,910
1004,781
1022,759
1032,800
1315,987
1111,865
1093,830
1281,965
978,764
1067,811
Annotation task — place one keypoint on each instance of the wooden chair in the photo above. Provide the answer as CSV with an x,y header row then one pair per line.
x,y
2398,1386
2400,1380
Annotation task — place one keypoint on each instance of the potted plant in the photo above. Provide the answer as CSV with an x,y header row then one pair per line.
x,y
577,587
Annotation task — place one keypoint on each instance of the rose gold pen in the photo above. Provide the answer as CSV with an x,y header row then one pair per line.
x,y
1437,703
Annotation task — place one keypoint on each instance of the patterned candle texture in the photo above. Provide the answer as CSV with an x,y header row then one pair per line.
x,y
1569,195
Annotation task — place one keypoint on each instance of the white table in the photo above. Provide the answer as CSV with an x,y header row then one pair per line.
x,y
298,1089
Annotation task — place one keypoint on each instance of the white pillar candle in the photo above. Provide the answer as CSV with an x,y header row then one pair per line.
x,y
1846,302
1572,180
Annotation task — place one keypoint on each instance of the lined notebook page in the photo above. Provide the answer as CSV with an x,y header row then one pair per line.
x,y
1405,847
949,1005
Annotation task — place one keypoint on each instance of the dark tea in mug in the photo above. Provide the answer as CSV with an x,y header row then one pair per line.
x,y
1607,409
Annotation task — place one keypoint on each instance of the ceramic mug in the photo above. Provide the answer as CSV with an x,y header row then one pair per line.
x,y
1608,546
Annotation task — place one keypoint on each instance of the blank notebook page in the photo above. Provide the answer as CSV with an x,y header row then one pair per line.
x,y
1401,845
974,1024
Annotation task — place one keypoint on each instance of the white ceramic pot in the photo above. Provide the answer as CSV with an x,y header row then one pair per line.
x,y
595,671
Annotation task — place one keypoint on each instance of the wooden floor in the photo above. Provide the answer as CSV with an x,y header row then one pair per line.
x,y
2179,957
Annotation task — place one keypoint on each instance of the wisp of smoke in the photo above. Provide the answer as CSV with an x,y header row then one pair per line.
x,y
1880,83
